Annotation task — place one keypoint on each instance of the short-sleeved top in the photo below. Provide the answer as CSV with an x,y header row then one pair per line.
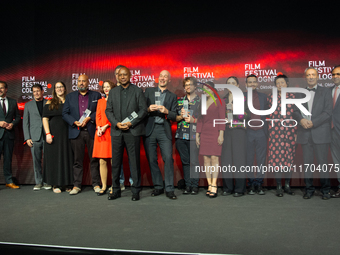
x,y
186,130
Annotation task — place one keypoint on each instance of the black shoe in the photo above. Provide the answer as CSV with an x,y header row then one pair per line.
x,y
208,192
336,194
135,197
287,189
307,196
114,195
279,191
236,194
226,193
260,190
171,195
187,191
252,190
326,196
101,192
157,192
194,191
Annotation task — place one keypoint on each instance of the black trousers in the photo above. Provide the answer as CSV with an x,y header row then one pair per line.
x,y
234,154
78,147
6,147
321,153
132,145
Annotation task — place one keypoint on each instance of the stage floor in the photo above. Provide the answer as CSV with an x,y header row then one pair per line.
x,y
194,224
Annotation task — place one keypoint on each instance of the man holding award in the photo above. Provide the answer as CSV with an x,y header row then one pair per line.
x,y
162,106
80,113
125,109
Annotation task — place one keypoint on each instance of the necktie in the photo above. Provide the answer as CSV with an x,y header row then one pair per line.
x,y
334,100
3,106
313,89
335,96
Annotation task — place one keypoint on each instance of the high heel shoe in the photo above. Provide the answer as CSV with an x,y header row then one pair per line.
x,y
213,194
102,192
208,192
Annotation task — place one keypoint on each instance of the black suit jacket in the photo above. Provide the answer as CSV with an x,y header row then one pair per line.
x,y
135,103
263,106
336,114
12,116
170,103
321,117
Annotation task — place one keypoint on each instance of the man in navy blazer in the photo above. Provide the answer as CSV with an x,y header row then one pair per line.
x,y
314,132
82,133
257,134
161,110
9,118
335,143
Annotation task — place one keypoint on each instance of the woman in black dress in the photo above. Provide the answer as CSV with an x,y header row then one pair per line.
x,y
58,154
234,145
281,150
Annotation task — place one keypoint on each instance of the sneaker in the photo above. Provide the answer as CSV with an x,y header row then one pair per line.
x,y
37,187
75,191
194,191
122,187
46,186
96,189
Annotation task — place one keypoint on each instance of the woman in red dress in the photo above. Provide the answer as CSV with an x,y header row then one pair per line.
x,y
210,139
281,151
102,148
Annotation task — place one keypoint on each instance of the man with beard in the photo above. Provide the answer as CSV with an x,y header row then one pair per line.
x,y
80,113
186,135
335,144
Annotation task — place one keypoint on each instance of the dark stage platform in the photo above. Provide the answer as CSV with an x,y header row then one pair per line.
x,y
192,224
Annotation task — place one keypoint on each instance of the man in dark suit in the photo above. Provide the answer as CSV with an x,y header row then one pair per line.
x,y
335,143
162,105
314,132
34,134
125,109
9,118
257,134
82,133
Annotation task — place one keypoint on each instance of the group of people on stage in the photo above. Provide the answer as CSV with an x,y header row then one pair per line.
x,y
58,130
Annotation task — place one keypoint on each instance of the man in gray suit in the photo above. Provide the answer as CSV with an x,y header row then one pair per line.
x,y
126,102
34,133
9,118
314,133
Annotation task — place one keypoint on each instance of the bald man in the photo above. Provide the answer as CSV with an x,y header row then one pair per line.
x,y
162,105
82,132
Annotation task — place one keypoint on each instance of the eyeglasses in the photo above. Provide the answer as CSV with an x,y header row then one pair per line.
x,y
59,87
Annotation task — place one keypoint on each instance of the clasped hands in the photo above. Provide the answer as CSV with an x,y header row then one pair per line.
x,y
306,124
6,125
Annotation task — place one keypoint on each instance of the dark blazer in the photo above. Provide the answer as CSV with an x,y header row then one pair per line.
x,y
71,113
12,116
135,103
170,103
336,114
263,106
321,117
